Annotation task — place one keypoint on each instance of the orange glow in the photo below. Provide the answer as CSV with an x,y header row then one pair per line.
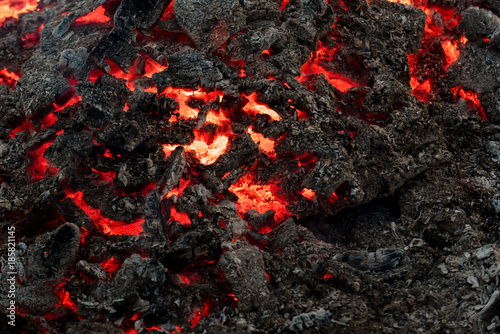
x,y
265,144
337,80
315,66
205,148
9,8
217,118
177,191
258,197
118,73
404,2
182,95
451,50
96,16
422,90
107,226
152,67
308,193
253,108
8,78
179,216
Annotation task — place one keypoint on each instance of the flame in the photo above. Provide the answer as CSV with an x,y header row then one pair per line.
x,y
258,197
96,16
253,108
108,226
9,8
8,78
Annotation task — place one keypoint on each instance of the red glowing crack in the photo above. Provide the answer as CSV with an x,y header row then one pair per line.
x,y
106,225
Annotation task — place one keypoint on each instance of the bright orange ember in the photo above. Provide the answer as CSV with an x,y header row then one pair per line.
x,y
265,144
206,148
253,107
182,95
308,193
96,16
260,197
9,8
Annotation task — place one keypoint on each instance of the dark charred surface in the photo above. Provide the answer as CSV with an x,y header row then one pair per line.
x,y
245,166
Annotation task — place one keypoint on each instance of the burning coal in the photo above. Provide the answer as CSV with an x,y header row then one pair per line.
x,y
254,166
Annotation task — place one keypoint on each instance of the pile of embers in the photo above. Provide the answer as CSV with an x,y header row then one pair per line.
x,y
220,166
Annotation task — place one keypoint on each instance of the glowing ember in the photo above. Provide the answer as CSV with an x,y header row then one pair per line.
x,y
64,299
26,126
96,16
39,165
111,264
253,107
8,78
308,193
108,226
451,50
48,121
283,4
404,2
265,144
258,197
206,149
217,118
183,95
189,278
10,8
472,100
328,276
179,216
199,313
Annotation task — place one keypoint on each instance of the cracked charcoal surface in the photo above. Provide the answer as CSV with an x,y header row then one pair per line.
x,y
385,205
